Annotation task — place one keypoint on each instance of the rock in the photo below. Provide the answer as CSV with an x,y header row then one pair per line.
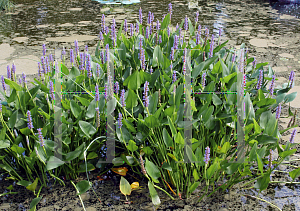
x,y
286,55
56,207
91,209
187,207
85,196
5,206
227,197
47,208
223,209
282,167
104,10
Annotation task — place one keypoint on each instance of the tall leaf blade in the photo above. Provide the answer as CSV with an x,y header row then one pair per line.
x,y
154,196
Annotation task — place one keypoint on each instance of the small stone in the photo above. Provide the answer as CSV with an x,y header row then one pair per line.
x,y
91,209
187,207
85,196
56,207
5,206
282,167
227,197
106,9
223,209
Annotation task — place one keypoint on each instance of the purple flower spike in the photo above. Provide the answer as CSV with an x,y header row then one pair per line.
x,y
46,65
293,136
44,49
272,85
122,99
51,90
211,46
103,22
13,68
102,57
81,67
125,26
107,53
206,32
197,15
86,49
20,81
291,78
199,30
43,65
170,9
24,78
159,39
76,47
140,16
259,83
120,120
97,93
8,72
3,83
186,26
98,70
207,155
220,32
174,75
41,138
117,87
51,58
146,97
157,25
71,56
89,66
172,54
151,70
0,107
176,42
169,32
105,91
278,111
98,117
131,29
203,79
100,36
149,18
29,120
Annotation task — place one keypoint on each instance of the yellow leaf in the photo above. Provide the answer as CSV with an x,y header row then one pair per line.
x,y
134,185
121,171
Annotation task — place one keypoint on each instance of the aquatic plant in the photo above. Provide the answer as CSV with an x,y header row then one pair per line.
x,y
151,70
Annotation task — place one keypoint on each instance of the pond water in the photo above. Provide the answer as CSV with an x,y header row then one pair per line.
x,y
270,31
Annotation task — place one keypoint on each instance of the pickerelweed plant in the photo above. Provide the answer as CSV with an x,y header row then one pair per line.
x,y
140,71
